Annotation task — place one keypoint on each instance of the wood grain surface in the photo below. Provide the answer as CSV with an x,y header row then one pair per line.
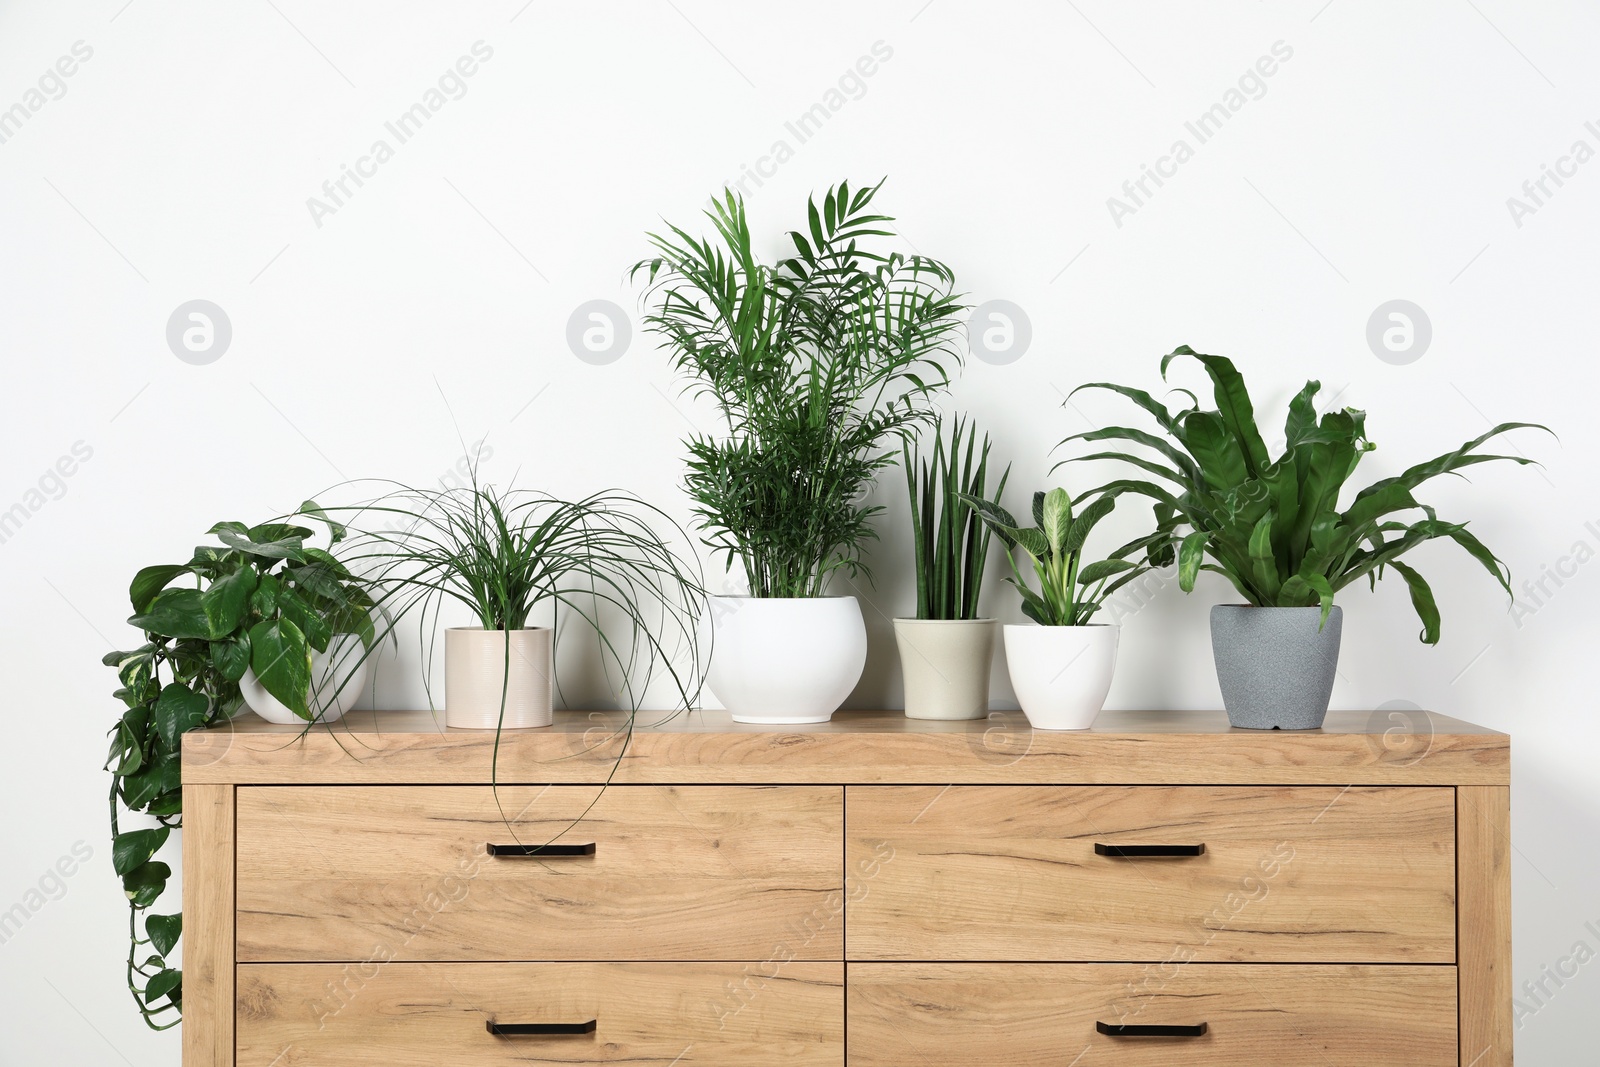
x,y
1011,1015
425,1015
1123,748
690,873
1291,874
1483,818
208,925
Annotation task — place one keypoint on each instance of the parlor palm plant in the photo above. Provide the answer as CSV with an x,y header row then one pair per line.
x,y
819,364
815,363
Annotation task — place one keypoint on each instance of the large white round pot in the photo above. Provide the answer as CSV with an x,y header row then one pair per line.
x,y
945,666
1061,674
498,678
337,678
783,660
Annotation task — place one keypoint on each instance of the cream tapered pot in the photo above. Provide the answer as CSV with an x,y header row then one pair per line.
x,y
945,666
783,660
476,677
1061,674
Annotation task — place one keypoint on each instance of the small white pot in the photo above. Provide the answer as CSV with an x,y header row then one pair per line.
x,y
945,666
1061,674
482,676
783,660
337,678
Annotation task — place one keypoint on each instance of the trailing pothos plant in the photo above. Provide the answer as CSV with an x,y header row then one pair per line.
x,y
262,599
1274,526
1070,591
818,362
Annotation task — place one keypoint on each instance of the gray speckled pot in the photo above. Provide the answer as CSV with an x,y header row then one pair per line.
x,y
1275,668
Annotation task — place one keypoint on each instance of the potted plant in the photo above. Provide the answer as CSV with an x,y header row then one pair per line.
x,y
816,364
1061,665
262,605
1274,528
946,650
503,554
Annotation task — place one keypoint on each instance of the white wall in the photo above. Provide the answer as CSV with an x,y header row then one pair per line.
x,y
1376,164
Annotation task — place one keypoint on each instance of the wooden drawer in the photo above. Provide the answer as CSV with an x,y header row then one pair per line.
x,y
995,1015
426,1014
691,873
1288,874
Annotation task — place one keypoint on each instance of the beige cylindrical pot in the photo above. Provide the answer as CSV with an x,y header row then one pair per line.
x,y
945,665
478,673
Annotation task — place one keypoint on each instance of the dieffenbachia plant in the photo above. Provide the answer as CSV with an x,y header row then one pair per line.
x,y
1070,592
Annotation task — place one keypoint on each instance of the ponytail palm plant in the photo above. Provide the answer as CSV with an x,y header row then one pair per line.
x,y
1274,527
502,553
817,363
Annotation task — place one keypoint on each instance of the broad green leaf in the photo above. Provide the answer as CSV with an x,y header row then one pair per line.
x,y
231,657
336,531
1263,567
1207,439
1103,569
150,581
144,883
1033,542
1190,554
278,532
284,548
264,601
152,781
1056,521
281,660
175,613
1086,521
163,931
130,849
164,983
305,617
1233,407
228,599
1302,419
178,709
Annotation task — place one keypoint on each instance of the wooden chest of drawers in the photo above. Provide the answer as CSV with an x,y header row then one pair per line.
x,y
875,890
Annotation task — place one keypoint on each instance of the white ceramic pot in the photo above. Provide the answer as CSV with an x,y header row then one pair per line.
x,y
1061,674
482,676
945,666
782,660
337,678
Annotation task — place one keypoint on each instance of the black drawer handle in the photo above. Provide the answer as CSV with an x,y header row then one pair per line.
x,y
539,1029
1128,851
1151,1030
540,851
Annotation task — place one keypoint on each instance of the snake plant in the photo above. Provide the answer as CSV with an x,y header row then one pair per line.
x,y
951,542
